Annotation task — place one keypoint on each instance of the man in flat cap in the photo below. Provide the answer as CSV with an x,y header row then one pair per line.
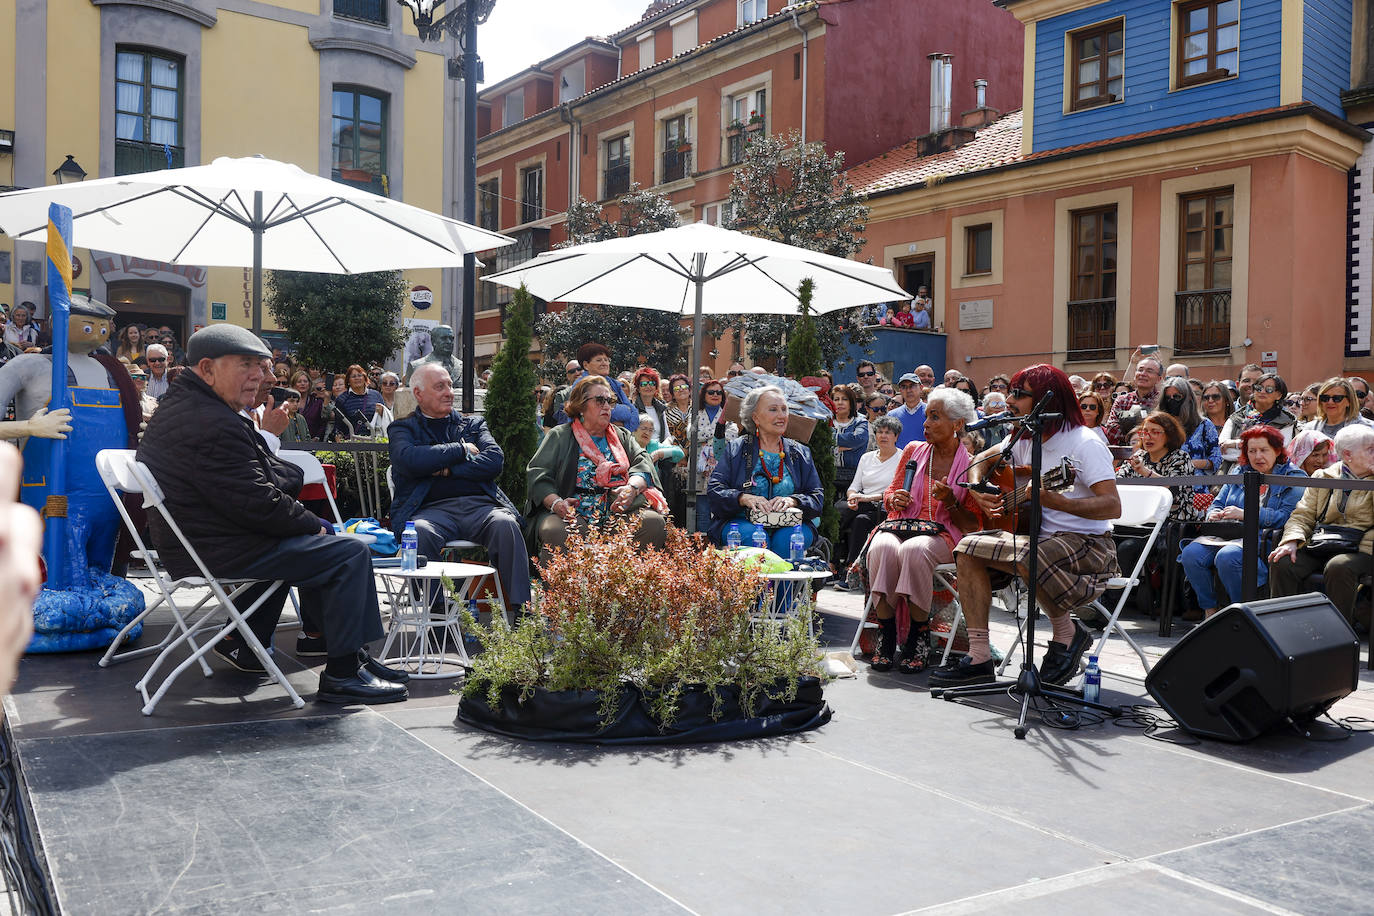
x,y
236,503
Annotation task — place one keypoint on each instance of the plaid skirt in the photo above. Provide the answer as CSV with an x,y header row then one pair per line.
x,y
1074,568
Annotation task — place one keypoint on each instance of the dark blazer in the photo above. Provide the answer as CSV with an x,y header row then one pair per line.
x,y
232,498
416,454
733,471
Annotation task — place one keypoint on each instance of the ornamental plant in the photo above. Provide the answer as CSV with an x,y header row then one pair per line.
x,y
611,613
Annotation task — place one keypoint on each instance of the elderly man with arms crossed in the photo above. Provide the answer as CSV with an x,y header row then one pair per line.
x,y
444,467
236,503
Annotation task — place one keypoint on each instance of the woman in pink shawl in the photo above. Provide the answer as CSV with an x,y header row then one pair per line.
x,y
927,486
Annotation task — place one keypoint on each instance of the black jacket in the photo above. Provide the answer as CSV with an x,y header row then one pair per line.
x,y
233,499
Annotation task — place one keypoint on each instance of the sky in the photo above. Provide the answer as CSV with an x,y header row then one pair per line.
x,y
522,32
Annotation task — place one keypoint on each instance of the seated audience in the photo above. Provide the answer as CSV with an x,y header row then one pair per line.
x,y
863,508
588,472
236,503
1159,453
1264,452
902,566
764,472
1292,563
1310,451
444,468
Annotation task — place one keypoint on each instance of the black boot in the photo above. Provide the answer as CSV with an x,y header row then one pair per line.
x,y
887,644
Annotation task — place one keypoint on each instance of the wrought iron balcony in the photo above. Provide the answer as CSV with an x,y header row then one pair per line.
x,y
1092,329
617,180
1202,321
134,156
677,164
373,11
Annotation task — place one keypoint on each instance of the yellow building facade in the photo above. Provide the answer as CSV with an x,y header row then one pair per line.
x,y
341,88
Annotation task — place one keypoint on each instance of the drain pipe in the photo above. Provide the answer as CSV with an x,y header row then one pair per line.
x,y
574,151
805,60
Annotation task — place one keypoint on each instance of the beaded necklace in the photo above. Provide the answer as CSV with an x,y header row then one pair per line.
x,y
764,464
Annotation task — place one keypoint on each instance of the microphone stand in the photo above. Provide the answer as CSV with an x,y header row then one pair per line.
x,y
1028,683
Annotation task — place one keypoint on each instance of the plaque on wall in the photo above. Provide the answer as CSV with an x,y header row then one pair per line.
x,y
974,314
31,273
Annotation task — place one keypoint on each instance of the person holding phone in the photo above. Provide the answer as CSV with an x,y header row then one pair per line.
x,y
1148,375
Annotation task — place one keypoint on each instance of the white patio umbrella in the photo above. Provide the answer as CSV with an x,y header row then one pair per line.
x,y
698,270
251,212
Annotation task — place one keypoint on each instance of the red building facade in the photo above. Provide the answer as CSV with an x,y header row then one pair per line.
x,y
669,102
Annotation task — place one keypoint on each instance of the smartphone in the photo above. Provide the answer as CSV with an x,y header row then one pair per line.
x,y
1149,349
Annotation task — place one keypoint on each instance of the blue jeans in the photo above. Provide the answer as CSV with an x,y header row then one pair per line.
x,y
780,541
1198,561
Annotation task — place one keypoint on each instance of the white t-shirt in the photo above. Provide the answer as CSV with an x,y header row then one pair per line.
x,y
1093,463
872,475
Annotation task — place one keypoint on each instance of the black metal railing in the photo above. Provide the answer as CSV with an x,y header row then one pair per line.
x,y
617,180
373,11
677,164
134,156
734,147
1092,329
1202,321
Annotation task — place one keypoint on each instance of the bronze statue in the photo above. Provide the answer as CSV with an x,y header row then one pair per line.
x,y
441,336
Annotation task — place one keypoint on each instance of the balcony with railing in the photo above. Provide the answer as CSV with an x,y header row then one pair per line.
x,y
1202,321
134,156
373,11
1092,329
617,180
677,164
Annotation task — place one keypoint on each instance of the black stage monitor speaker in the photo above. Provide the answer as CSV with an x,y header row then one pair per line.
x,y
1251,666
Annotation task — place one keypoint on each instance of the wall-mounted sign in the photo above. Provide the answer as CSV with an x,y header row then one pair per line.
x,y
219,311
1269,359
421,297
975,314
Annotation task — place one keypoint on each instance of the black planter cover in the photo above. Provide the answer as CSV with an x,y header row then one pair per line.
x,y
573,715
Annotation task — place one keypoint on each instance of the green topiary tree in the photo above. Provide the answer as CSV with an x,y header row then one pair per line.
x,y
804,357
339,319
510,409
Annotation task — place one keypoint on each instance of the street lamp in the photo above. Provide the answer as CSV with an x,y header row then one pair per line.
x,y
461,21
69,172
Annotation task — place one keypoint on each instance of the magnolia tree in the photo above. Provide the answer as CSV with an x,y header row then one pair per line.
x,y
796,193
633,335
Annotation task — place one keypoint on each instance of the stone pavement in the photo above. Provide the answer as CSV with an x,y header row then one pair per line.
x,y
226,800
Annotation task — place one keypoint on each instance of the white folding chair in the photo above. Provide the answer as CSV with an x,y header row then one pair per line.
x,y
1145,508
314,473
942,580
133,476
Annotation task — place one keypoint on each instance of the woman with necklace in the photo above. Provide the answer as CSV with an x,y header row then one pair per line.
x,y
765,474
902,569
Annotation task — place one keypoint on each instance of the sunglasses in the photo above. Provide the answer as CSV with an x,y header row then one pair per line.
x,y
998,386
1019,393
877,408
734,373
392,383
1104,384
1088,406
157,359
1330,398
604,400
647,383
1268,389
1362,394
1309,398
714,391
1212,397
682,387
869,374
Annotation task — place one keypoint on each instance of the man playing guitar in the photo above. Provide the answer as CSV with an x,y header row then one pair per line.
x,y
1077,555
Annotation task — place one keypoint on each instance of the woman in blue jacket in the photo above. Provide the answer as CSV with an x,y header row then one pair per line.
x,y
1262,449
762,470
851,436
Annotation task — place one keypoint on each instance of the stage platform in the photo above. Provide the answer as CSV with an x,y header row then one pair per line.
x,y
227,800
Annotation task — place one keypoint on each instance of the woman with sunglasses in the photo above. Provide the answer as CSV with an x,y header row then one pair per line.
x,y
644,397
679,406
388,383
999,382
1337,408
1094,411
714,432
1265,409
314,404
589,472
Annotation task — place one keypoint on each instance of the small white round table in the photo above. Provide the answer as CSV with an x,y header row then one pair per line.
x,y
425,642
790,581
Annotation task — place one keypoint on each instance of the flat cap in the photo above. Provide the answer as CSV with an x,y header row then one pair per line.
x,y
224,340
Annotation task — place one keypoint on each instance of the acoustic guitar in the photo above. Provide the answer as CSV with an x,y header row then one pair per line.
x,y
1013,482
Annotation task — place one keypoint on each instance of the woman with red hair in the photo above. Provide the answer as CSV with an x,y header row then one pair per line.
x,y
1075,551
1262,448
645,399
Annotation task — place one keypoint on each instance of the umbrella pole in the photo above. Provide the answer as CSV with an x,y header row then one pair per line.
x,y
698,280
257,262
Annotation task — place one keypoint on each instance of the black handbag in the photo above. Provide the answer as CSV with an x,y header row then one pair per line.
x,y
1329,540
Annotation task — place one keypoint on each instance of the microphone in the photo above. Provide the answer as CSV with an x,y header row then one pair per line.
x,y
910,475
999,420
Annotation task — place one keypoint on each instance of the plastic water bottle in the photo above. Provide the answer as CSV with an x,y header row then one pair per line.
x,y
1092,681
732,537
410,547
760,539
798,545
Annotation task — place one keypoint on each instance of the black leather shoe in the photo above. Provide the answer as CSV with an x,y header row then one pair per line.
x,y
363,687
1061,662
395,675
963,673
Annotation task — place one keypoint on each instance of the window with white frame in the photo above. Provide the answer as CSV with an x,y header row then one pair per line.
x,y
573,81
646,50
721,213
685,34
617,166
752,11
746,114
514,108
